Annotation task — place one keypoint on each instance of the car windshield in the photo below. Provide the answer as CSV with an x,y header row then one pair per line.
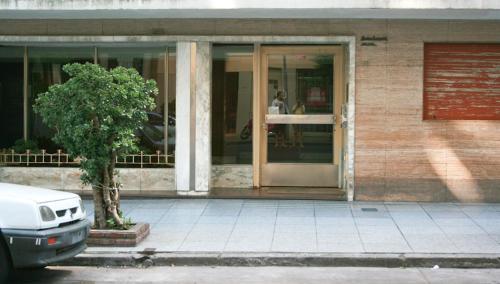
x,y
155,118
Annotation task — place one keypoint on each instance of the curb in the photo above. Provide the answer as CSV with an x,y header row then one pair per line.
x,y
286,259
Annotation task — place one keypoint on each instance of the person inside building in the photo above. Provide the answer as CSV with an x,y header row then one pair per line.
x,y
299,109
280,103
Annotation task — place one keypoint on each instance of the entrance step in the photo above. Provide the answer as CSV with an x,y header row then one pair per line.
x,y
291,193
304,193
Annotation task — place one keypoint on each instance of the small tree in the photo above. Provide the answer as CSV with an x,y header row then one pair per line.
x,y
95,115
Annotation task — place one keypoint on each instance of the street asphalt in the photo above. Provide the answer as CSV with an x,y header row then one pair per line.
x,y
243,275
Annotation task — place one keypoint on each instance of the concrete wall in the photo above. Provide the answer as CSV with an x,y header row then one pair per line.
x,y
398,155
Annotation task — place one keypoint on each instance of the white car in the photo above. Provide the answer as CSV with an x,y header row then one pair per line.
x,y
39,227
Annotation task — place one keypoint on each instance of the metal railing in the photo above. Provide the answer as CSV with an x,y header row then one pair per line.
x,y
60,159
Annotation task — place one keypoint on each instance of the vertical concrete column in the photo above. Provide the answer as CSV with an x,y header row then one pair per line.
x,y
203,101
184,156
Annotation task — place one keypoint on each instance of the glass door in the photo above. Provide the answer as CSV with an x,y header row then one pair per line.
x,y
301,98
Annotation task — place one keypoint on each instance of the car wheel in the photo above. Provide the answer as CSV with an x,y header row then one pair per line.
x,y
5,264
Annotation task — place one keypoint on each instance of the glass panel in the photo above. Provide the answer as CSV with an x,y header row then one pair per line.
x,y
44,70
300,143
171,99
11,95
232,95
300,84
150,63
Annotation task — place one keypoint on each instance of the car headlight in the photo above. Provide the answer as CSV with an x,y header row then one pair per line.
x,y
47,214
81,206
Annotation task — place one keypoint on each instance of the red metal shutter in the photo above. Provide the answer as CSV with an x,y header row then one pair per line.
x,y
461,81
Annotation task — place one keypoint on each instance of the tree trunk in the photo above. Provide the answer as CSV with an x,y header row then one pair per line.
x,y
115,196
106,191
107,198
109,189
99,209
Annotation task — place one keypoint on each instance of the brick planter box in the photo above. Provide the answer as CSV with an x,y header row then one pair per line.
x,y
118,238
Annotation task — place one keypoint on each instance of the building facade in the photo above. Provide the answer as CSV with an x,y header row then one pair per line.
x,y
394,101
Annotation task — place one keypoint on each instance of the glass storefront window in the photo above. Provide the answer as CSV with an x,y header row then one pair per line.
x,y
45,69
303,82
232,95
302,143
11,95
300,84
151,63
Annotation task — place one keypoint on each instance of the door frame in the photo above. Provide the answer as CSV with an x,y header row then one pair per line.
x,y
325,170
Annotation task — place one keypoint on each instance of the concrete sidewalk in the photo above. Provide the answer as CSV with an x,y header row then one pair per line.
x,y
295,226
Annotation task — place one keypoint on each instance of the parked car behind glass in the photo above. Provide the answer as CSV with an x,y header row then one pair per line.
x,y
152,133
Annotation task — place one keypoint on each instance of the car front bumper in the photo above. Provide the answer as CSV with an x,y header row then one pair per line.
x,y
31,248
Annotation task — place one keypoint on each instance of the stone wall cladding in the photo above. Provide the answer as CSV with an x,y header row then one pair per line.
x,y
68,179
399,157
133,180
232,176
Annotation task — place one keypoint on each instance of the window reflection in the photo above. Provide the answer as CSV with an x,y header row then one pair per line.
x,y
302,143
151,63
304,83
11,95
300,84
44,70
232,95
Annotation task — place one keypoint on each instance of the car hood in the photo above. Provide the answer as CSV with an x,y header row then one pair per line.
x,y
35,194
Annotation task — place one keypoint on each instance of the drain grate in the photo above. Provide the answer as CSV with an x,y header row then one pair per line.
x,y
366,209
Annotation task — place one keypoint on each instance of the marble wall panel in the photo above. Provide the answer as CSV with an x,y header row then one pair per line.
x,y
425,160
232,176
157,180
132,180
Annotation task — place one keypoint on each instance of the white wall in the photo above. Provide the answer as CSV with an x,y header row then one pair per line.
x,y
312,9
246,4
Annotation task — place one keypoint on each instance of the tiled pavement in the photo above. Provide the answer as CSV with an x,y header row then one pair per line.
x,y
213,225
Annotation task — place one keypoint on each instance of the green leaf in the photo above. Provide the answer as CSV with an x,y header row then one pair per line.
x,y
96,112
